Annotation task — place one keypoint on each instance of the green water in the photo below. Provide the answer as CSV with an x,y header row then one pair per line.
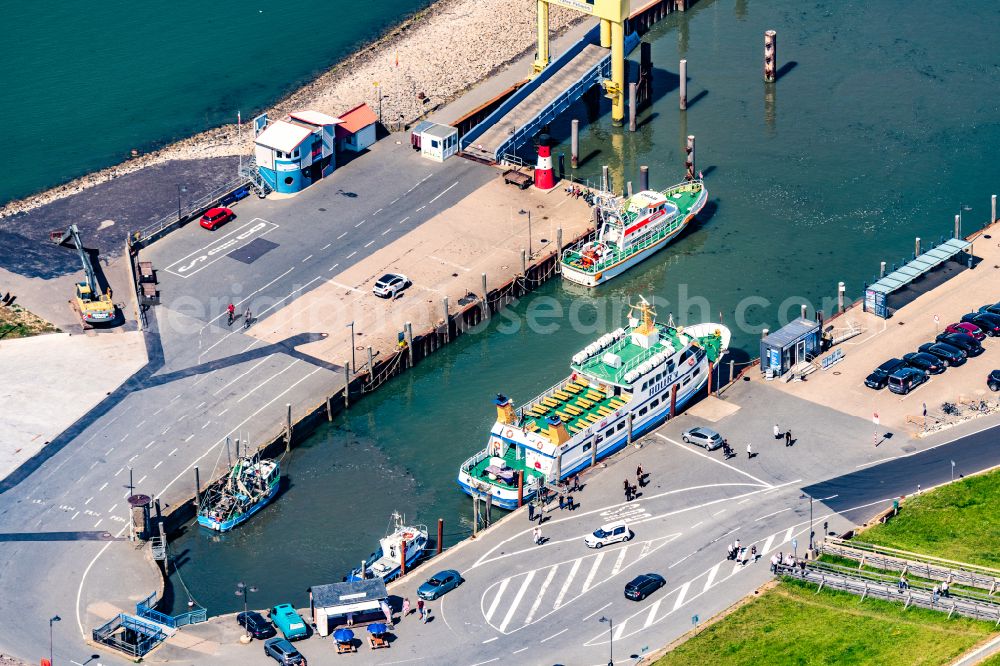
x,y
83,83
885,125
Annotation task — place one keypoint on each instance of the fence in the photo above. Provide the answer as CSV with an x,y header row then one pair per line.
x,y
186,213
129,635
145,609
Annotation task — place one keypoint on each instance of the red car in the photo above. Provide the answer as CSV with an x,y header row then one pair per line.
x,y
965,327
216,217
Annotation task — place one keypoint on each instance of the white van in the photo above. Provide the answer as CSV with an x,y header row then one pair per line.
x,y
610,533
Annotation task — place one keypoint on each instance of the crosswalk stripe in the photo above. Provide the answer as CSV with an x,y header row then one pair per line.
x,y
736,569
517,600
618,562
541,593
681,595
652,613
788,535
645,549
569,581
620,629
593,571
768,544
711,576
496,599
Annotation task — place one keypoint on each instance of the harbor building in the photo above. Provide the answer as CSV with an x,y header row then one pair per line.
x,y
356,129
295,152
795,343
436,142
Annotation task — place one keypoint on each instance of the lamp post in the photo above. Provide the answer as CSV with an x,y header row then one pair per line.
x,y
611,637
961,207
53,619
804,496
354,362
242,590
528,213
180,189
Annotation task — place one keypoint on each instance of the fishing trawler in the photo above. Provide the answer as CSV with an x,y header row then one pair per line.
x,y
249,486
631,230
621,386
384,563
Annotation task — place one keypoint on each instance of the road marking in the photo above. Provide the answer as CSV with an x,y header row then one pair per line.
x,y
680,595
158,411
774,513
173,452
767,544
230,383
449,263
360,223
421,208
221,413
876,462
388,230
148,445
369,243
208,423
345,286
250,392
496,599
157,464
596,612
108,452
652,613
75,515
403,220
788,535
103,487
744,501
119,471
325,246
521,650
306,259
593,571
219,248
443,192
352,254
681,560
829,498
541,593
393,201
569,581
124,437
718,513
332,267
554,635
517,600
88,501
716,461
490,640
165,429
99,521
142,479
378,211
274,305
697,524
341,235
113,507
189,438
618,562
711,576
489,661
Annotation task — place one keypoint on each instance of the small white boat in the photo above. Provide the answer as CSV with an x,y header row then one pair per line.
x,y
385,562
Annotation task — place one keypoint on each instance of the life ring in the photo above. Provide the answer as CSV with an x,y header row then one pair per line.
x,y
538,465
509,433
691,361
407,535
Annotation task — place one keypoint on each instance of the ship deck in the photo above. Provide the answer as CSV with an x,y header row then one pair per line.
x,y
632,355
577,403
478,471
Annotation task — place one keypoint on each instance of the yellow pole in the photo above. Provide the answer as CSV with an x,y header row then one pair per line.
x,y
542,56
605,33
617,72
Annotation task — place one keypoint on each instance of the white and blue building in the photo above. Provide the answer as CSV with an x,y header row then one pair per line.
x,y
295,152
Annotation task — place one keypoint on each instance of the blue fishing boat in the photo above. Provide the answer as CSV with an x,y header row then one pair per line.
x,y
385,562
247,489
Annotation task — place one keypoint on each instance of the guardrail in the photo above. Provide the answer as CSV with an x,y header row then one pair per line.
x,y
129,635
192,209
145,609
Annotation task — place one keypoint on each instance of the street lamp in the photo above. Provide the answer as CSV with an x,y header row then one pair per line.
x,y
528,213
180,188
54,618
961,207
811,533
611,637
354,362
243,591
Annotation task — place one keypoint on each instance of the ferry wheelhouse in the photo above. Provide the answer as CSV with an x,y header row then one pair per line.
x,y
620,385
632,230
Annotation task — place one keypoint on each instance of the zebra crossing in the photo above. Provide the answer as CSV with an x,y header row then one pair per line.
x,y
526,597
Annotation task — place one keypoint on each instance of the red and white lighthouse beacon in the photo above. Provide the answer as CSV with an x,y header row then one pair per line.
x,y
545,178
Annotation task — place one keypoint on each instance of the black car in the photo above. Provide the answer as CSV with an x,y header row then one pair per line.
x,y
256,625
992,309
989,323
927,362
643,585
953,355
880,376
282,652
993,381
966,343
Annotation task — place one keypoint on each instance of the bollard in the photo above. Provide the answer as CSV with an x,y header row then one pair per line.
x,y
993,209
881,270
347,383
840,296
574,156
197,487
643,178
371,364
288,427
958,226
684,85
689,159
916,248
631,106
447,323
409,341
486,299
732,369
770,55
803,311
628,188
440,541
402,557
605,185
524,263
763,333
559,248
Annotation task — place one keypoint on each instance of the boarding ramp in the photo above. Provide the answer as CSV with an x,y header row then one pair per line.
x,y
132,636
541,100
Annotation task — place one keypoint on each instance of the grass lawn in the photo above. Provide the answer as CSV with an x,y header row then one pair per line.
x,y
791,624
956,522
16,322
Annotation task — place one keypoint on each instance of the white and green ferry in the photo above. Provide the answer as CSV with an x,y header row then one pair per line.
x,y
585,417
631,230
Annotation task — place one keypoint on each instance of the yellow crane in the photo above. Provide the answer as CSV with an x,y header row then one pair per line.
x,y
93,306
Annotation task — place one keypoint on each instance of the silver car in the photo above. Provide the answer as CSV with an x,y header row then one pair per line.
x,y
390,284
703,437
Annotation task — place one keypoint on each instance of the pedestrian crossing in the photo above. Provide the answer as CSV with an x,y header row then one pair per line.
x,y
524,598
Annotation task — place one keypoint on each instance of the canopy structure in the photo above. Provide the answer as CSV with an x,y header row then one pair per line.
x,y
877,294
333,602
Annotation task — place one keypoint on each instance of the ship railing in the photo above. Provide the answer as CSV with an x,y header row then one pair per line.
x,y
482,455
655,237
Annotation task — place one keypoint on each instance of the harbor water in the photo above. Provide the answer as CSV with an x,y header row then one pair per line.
x,y
880,127
85,83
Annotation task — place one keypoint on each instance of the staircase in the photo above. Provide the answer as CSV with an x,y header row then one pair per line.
x,y
250,171
839,335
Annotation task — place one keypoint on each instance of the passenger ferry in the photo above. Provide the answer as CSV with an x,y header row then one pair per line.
x,y
251,484
632,230
384,563
621,384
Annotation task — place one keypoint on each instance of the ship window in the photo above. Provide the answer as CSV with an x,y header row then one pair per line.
x,y
696,371
642,411
645,385
670,365
609,432
687,380
599,439
586,447
654,403
621,426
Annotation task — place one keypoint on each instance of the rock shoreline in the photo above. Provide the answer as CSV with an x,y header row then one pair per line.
x,y
420,55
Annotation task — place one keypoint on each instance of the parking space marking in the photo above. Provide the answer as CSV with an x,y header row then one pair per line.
x,y
541,594
718,462
218,248
496,600
517,601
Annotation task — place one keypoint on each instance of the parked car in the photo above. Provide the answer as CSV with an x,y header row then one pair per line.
x,y
608,534
967,329
966,343
256,624
952,355
643,585
993,380
988,322
927,362
992,309
390,284
905,380
438,584
703,437
283,652
216,217
880,375
288,622
235,195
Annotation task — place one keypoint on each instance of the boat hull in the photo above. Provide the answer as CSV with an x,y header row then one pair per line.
x,y
225,526
411,560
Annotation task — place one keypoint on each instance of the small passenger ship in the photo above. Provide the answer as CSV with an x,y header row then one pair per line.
x,y
633,371
384,563
632,230
250,485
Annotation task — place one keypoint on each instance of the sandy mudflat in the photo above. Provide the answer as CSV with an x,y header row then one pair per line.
x,y
441,52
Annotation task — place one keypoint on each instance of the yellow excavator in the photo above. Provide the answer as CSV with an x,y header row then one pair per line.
x,y
93,306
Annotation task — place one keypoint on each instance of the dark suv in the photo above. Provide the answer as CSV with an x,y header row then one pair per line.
x,y
953,355
987,321
256,625
929,363
966,343
282,652
880,376
644,585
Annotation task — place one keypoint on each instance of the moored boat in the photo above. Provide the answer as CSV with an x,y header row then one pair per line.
x,y
385,562
250,485
632,230
621,386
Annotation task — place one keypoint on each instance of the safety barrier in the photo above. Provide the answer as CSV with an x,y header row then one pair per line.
x,y
145,609
831,359
129,635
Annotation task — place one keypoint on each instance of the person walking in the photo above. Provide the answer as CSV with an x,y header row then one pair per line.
x,y
774,564
562,501
569,502
420,609
777,431
640,476
427,615
788,438
749,451
531,512
231,309
945,589
247,319
753,553
406,608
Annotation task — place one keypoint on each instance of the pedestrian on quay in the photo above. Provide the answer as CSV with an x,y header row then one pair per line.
x,y
640,477
538,535
427,615
749,451
777,431
788,438
420,609
774,564
903,584
531,511
562,501
576,483
935,593
569,502
406,607
350,619
753,553
628,491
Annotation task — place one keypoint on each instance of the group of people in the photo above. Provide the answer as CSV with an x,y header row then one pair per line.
x,y
247,317
641,476
423,611
742,554
787,434
784,559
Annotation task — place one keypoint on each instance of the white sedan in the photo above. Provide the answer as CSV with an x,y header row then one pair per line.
x,y
390,284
